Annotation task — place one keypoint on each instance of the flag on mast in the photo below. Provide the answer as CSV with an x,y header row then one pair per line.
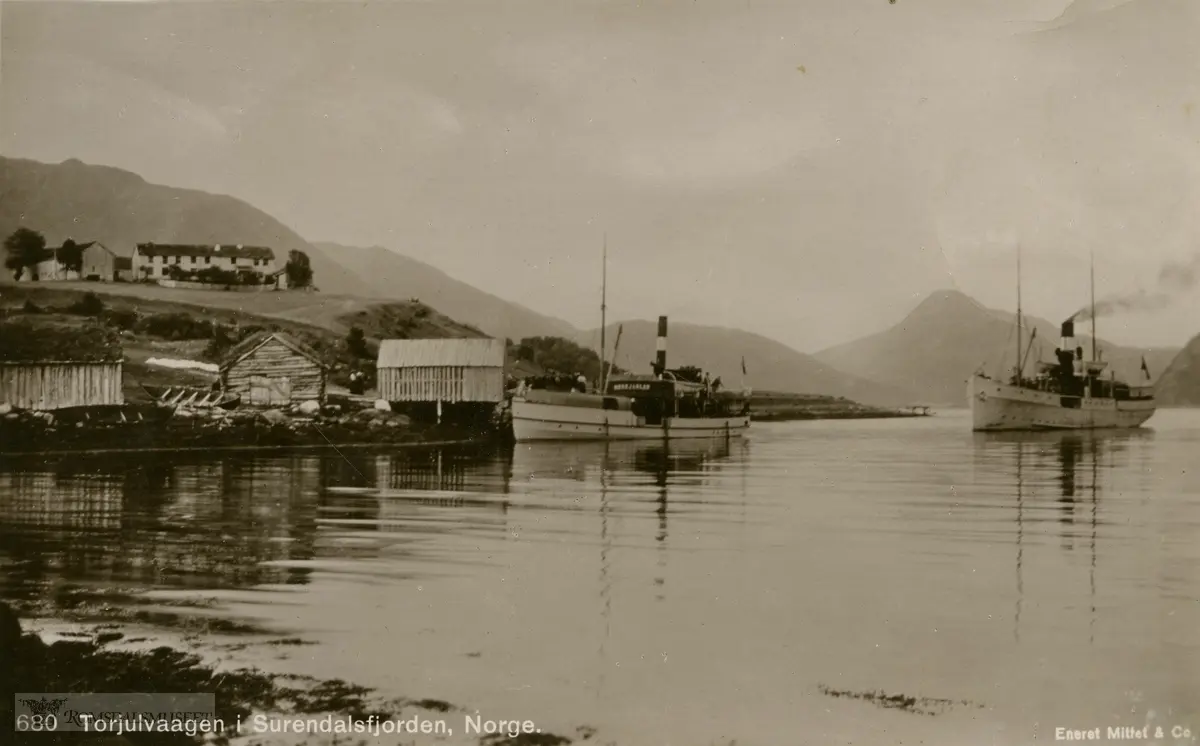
x,y
1145,368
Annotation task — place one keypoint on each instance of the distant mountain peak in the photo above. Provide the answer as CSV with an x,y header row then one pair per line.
x,y
946,302
934,349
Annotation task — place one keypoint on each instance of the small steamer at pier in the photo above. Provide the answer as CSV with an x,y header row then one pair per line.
x,y
1070,393
633,407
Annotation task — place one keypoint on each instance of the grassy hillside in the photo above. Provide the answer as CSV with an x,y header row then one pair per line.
x,y
166,327
120,209
385,272
333,313
770,365
934,350
85,202
1179,385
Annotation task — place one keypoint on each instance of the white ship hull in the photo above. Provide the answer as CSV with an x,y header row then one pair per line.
x,y
1000,406
537,421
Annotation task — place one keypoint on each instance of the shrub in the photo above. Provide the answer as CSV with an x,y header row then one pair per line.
x,y
356,342
89,305
175,326
121,318
220,343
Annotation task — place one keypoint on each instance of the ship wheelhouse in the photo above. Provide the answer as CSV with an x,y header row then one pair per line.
x,y
654,398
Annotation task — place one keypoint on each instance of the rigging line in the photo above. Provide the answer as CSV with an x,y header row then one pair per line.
x,y
1004,350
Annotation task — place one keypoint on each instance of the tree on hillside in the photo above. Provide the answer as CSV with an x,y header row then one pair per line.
x,y
24,249
356,342
298,270
70,255
560,355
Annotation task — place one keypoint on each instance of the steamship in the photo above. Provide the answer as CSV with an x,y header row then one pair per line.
x,y
658,406
1070,393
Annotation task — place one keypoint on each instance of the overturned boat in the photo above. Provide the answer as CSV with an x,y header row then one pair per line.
x,y
189,396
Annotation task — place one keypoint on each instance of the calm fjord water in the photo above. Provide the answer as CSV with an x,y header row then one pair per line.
x,y
699,594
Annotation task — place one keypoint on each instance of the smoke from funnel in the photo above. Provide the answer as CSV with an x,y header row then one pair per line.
x,y
1174,279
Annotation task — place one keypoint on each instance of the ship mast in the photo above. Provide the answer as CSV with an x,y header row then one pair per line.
x,y
1093,262
1017,363
603,309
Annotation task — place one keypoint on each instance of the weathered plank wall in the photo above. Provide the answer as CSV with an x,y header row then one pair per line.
x,y
276,360
97,261
448,383
46,386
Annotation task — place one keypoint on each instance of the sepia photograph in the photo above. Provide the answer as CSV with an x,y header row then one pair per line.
x,y
599,372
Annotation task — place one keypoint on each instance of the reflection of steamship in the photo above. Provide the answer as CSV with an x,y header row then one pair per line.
x,y
574,460
633,407
1070,393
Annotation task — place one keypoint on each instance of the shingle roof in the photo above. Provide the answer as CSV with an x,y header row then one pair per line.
x,y
254,341
21,341
218,250
418,353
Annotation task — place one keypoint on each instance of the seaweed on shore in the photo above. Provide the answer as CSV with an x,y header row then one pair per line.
x,y
76,666
918,705
30,665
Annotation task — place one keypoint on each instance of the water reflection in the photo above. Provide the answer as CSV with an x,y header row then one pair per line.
x,y
1071,461
623,471
88,527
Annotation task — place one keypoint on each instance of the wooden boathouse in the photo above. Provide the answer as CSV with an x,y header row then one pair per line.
x,y
463,373
54,367
273,369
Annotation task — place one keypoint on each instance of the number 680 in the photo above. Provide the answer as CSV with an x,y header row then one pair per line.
x,y
37,723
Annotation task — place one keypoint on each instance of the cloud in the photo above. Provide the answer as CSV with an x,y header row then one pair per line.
x,y
640,105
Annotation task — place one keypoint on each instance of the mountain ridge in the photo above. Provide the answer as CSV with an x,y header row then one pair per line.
x,y
120,208
949,335
1179,384
770,364
406,277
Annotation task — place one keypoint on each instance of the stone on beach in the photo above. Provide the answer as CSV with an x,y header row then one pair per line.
x,y
274,416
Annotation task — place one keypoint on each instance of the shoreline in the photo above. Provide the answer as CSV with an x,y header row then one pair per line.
x,y
90,658
150,429
416,443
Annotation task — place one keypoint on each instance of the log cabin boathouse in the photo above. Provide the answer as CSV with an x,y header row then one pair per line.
x,y
273,369
432,377
54,367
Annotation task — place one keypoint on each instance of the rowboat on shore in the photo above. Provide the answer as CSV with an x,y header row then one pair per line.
x,y
187,396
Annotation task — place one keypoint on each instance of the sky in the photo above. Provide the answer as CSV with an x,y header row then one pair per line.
x,y
808,169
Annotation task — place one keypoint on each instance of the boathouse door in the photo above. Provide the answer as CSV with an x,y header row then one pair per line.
x,y
270,390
